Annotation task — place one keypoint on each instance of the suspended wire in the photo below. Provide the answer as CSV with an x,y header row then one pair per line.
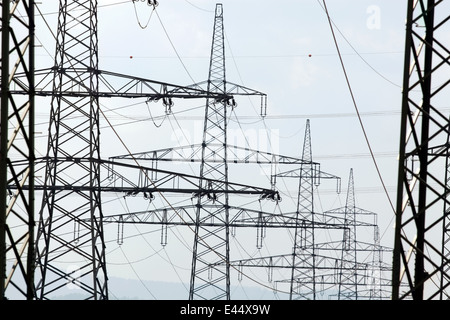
x,y
137,275
182,131
262,118
156,252
173,46
356,107
197,7
174,269
99,6
255,255
353,48
153,119
150,3
112,4
267,117
48,27
162,249
135,119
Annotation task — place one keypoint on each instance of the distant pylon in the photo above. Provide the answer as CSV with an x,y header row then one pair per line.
x,y
304,265
304,238
348,281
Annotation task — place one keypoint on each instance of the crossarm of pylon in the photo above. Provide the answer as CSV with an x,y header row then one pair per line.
x,y
285,261
112,84
232,89
333,246
361,215
316,174
193,153
214,186
239,217
329,278
168,181
284,220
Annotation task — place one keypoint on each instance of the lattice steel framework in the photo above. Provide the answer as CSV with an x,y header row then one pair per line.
x,y
348,281
421,256
70,251
212,244
353,282
304,265
17,151
304,241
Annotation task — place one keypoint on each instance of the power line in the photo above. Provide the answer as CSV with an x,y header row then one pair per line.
x,y
173,46
353,48
357,109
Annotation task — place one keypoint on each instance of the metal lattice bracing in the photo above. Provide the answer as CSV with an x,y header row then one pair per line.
x,y
212,244
305,240
17,151
354,283
420,261
304,257
69,250
348,281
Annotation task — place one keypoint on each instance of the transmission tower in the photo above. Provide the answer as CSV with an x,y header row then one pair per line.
x,y
421,256
73,133
211,239
17,150
348,282
304,254
213,244
356,247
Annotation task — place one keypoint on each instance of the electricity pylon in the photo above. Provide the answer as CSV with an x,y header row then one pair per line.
x,y
348,281
70,244
351,280
420,260
17,150
309,175
74,127
213,244
211,240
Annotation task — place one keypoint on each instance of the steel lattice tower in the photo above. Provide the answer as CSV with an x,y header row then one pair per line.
x,y
348,281
212,244
304,238
17,150
68,249
421,259
304,264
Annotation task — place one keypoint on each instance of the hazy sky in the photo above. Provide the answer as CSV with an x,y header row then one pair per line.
x,y
282,48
